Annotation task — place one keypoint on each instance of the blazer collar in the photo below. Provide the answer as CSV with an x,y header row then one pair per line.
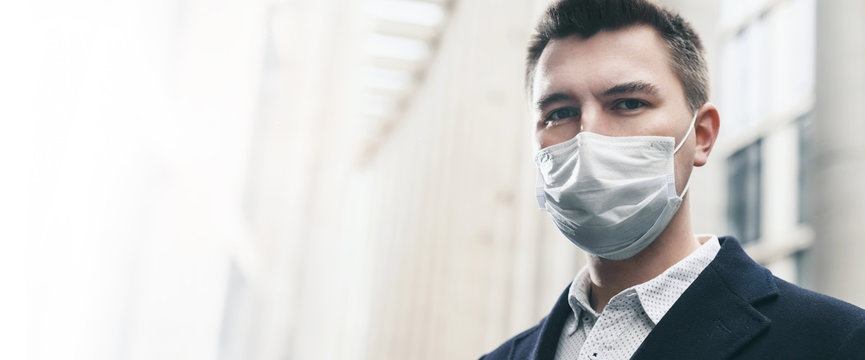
x,y
712,319
548,341
715,317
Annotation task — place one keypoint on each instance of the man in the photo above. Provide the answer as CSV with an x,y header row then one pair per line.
x,y
620,96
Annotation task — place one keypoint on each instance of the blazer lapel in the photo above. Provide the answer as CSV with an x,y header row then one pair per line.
x,y
548,339
714,318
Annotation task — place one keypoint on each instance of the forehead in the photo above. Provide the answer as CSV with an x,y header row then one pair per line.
x,y
635,53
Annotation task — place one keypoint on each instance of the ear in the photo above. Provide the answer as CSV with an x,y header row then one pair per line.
x,y
706,129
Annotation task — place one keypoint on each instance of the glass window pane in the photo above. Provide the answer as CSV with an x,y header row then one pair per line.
x,y
744,181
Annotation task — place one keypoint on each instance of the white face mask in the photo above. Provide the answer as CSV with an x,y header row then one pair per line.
x,y
611,196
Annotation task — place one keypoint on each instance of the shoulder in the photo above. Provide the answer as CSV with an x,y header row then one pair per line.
x,y
756,284
816,309
517,347
817,321
801,323
805,297
538,340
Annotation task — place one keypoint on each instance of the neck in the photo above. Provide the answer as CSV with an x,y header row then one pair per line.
x,y
610,277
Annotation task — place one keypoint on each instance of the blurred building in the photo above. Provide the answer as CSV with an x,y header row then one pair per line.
x,y
465,260
411,231
783,170
454,255
340,179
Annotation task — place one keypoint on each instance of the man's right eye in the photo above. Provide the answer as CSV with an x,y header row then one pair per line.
x,y
562,113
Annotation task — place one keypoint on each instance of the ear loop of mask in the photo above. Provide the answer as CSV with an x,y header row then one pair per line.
x,y
688,133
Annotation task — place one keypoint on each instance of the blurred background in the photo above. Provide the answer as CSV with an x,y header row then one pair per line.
x,y
353,179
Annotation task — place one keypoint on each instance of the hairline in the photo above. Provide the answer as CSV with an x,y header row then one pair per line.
x,y
669,48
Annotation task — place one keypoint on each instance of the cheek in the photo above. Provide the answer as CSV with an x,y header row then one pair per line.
x,y
549,136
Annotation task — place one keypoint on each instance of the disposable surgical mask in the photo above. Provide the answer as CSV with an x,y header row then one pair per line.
x,y
611,196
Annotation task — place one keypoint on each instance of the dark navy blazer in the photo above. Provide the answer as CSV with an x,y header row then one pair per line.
x,y
735,309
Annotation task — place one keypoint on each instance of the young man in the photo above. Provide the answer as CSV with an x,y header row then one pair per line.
x,y
620,96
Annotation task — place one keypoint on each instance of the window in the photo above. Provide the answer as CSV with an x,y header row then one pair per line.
x,y
743,195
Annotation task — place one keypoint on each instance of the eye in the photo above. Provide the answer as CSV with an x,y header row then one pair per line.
x,y
562,113
629,104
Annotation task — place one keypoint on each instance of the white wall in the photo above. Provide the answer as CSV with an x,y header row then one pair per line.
x,y
124,134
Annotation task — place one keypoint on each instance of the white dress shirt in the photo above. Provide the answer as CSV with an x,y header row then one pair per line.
x,y
621,327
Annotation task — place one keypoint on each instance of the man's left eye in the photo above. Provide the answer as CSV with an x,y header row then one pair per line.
x,y
629,104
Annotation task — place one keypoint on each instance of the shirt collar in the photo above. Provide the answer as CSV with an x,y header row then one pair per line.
x,y
675,280
578,293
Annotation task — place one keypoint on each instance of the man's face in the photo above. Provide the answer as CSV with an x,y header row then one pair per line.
x,y
615,83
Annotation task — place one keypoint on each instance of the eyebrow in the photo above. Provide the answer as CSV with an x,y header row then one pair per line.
x,y
632,87
546,100
623,88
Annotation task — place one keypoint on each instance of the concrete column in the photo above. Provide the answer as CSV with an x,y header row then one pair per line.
x,y
839,152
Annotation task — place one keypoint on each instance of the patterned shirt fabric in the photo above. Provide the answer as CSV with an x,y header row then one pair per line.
x,y
630,316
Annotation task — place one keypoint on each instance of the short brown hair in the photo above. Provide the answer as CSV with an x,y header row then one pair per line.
x,y
587,17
